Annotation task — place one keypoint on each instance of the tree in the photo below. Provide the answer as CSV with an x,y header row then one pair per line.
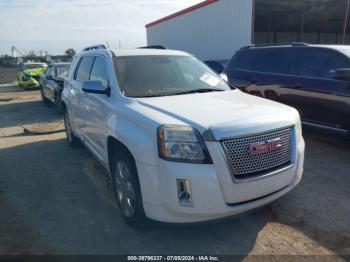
x,y
70,52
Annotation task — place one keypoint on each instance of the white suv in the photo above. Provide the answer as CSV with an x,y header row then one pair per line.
x,y
180,144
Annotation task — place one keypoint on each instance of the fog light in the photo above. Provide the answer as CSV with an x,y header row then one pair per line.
x,y
184,192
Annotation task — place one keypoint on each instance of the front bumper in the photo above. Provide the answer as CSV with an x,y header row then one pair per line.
x,y
31,83
210,190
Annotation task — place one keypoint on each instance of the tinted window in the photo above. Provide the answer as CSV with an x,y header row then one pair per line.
x,y
280,61
250,60
99,71
321,63
244,60
83,72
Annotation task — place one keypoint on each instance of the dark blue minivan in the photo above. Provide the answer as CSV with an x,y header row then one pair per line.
x,y
315,79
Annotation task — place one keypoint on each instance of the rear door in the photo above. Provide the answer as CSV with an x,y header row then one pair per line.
x,y
320,98
50,84
44,81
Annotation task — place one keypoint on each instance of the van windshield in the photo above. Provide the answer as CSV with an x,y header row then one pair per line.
x,y
149,76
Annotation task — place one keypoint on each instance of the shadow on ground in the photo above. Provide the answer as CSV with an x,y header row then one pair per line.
x,y
26,113
56,201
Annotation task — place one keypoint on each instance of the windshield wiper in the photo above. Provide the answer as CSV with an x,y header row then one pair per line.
x,y
204,90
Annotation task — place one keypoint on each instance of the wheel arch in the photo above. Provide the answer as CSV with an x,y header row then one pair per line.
x,y
114,146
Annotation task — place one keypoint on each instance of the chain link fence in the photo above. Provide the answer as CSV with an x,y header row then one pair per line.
x,y
9,66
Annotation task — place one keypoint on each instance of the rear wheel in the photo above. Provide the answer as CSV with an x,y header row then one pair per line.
x,y
271,95
126,189
73,141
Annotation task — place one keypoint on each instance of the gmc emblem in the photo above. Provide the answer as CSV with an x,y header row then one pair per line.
x,y
265,147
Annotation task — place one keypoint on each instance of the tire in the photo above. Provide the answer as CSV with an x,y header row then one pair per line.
x,y
58,102
44,100
126,189
73,141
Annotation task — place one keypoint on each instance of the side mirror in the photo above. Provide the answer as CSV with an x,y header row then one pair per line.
x,y
49,77
342,74
95,87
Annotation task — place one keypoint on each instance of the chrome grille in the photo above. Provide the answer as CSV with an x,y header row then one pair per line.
x,y
245,165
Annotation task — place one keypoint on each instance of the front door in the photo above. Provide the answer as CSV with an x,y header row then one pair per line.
x,y
97,108
320,98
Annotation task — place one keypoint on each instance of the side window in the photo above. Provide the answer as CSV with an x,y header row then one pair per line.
x,y
84,67
244,61
99,71
280,61
321,63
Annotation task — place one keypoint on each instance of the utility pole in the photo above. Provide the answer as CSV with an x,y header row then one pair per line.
x,y
346,21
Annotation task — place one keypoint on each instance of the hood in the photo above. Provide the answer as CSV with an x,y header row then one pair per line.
x,y
35,72
224,114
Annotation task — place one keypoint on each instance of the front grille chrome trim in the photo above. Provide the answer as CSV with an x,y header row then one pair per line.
x,y
263,173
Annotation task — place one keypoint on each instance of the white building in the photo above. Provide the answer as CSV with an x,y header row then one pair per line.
x,y
215,29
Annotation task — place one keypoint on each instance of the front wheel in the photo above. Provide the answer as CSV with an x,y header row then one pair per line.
x,y
126,189
73,141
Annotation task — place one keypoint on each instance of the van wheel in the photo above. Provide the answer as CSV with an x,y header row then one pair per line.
x,y
73,141
126,188
271,95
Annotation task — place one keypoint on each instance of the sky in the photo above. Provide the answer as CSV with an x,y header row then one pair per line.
x,y
56,25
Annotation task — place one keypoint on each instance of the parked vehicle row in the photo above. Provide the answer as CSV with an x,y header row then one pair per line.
x,y
315,79
179,143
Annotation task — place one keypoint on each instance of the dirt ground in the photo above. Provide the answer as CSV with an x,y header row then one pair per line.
x,y
55,200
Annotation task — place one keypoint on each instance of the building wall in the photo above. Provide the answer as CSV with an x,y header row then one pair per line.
x,y
213,32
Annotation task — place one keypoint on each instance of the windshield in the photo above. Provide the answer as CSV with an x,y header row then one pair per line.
x,y
345,51
33,66
146,76
62,71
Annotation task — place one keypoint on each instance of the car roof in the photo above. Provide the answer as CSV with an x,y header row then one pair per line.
x,y
299,45
60,63
147,52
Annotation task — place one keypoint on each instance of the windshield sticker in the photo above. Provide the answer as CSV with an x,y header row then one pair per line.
x,y
210,79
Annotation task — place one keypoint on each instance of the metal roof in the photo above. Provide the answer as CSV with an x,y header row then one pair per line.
x,y
182,12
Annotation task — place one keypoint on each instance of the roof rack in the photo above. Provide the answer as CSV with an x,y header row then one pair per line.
x,y
276,44
94,47
153,47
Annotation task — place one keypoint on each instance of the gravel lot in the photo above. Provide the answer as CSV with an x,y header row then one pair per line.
x,y
55,200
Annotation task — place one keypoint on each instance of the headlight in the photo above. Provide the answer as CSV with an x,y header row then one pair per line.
x,y
25,78
182,144
298,126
